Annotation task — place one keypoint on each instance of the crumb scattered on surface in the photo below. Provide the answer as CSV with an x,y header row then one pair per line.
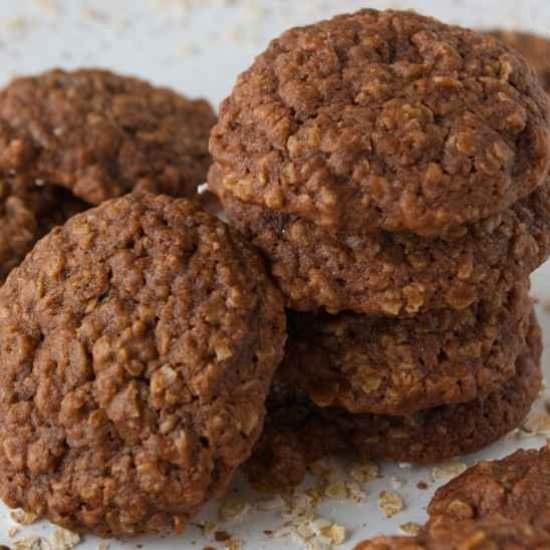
x,y
390,503
410,528
23,518
365,472
446,472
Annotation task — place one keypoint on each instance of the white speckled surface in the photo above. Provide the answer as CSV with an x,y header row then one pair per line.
x,y
198,47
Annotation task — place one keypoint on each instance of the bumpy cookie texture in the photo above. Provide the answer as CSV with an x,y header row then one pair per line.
x,y
384,120
516,488
397,274
27,212
298,433
536,49
401,366
467,535
137,346
102,135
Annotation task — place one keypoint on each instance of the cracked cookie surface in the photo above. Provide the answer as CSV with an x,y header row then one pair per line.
x,y
383,120
137,346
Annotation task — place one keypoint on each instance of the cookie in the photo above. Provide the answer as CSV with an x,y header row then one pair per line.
x,y
397,274
467,535
137,346
27,213
516,488
102,135
384,120
402,366
536,49
298,433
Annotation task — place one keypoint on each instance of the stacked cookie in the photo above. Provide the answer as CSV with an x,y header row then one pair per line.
x,y
393,170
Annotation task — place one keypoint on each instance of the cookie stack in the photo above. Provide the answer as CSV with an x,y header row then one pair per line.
x,y
393,170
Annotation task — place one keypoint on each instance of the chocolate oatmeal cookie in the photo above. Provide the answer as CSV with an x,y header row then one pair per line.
x,y
402,366
27,213
137,346
102,135
398,274
298,433
467,535
516,488
385,120
536,49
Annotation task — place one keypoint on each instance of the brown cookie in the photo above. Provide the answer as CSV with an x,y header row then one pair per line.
x,y
536,49
298,433
516,488
27,212
467,535
102,135
402,366
385,120
137,346
398,274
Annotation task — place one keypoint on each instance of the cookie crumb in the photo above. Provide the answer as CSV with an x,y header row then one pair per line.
x,y
337,490
446,472
422,485
390,503
410,528
364,472
397,483
64,539
537,424
23,518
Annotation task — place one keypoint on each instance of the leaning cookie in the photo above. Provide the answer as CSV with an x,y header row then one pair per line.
x,y
467,535
516,488
298,433
28,212
402,366
536,49
137,346
384,120
397,274
102,135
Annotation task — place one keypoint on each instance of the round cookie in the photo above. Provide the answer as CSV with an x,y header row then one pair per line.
x,y
536,49
298,433
516,488
102,135
402,366
385,120
137,346
467,535
27,213
397,274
